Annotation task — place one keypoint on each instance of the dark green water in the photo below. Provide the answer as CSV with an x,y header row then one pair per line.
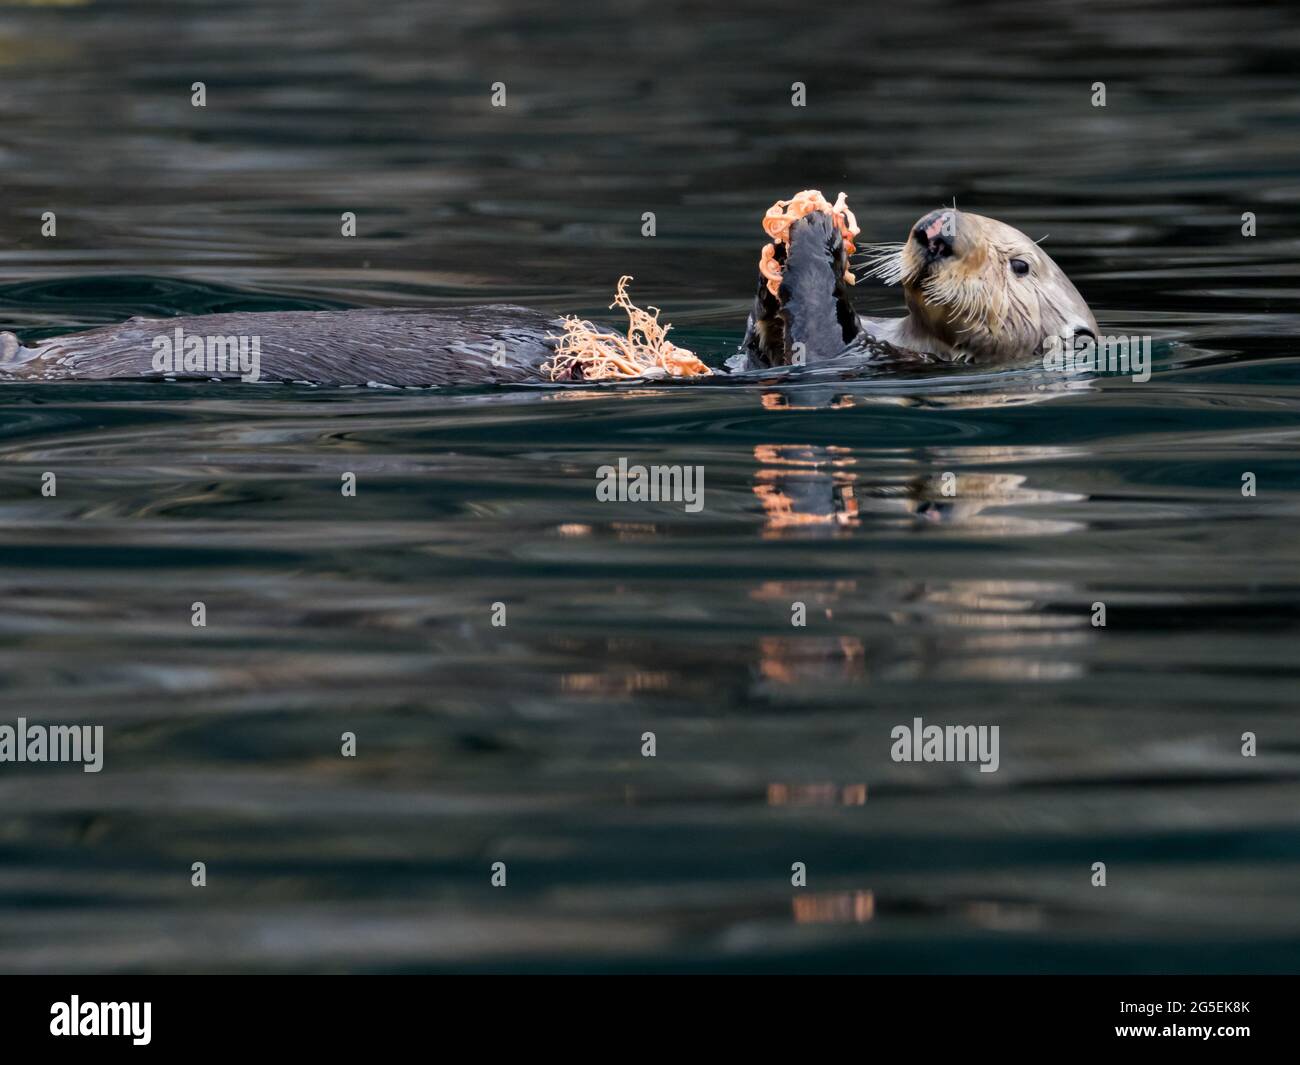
x,y
521,744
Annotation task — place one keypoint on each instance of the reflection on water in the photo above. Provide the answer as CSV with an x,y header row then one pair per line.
x,y
947,535
856,906
848,795
801,486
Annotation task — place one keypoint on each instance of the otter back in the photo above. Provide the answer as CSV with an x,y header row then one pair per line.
x,y
497,344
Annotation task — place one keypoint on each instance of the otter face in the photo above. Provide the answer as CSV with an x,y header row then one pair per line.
x,y
984,289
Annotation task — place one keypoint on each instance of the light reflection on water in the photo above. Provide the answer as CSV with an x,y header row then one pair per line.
x,y
522,744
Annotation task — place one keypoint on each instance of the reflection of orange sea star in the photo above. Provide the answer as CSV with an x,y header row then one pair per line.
x,y
777,401
792,455
838,507
842,907
816,794
781,513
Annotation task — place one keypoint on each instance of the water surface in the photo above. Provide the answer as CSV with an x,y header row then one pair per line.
x,y
522,744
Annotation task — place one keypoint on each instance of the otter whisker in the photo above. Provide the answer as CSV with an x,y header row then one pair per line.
x,y
962,298
884,262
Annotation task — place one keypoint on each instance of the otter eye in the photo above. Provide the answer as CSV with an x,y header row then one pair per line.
x,y
1019,267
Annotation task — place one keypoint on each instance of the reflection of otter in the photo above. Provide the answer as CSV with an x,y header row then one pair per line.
x,y
975,289
828,492
804,488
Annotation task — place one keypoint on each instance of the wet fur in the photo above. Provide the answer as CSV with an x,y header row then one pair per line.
x,y
812,308
966,307
971,305
395,347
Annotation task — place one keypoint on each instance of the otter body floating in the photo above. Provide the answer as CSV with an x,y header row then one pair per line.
x,y
498,344
976,290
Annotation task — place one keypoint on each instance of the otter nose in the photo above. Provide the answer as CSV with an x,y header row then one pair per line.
x,y
935,233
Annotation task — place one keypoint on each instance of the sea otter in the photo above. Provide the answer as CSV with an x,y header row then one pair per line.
x,y
976,290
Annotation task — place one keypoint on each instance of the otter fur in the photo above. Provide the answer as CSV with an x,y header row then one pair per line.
x,y
976,290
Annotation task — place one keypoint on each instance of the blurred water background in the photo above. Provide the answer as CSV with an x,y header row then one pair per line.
x,y
522,744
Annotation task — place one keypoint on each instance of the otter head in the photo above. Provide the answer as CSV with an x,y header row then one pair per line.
x,y
981,288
